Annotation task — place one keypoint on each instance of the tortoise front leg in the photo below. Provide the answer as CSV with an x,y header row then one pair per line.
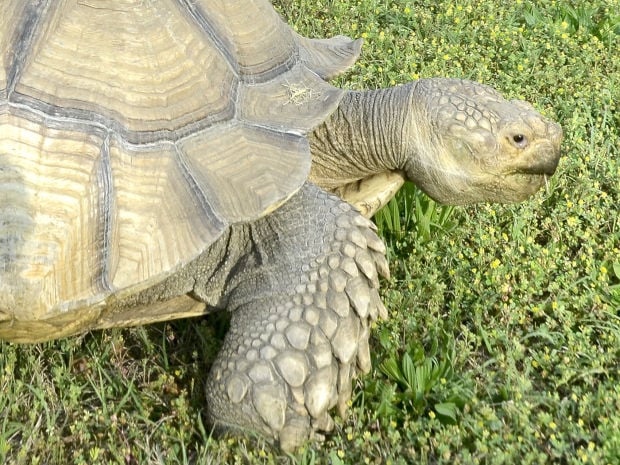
x,y
372,193
300,324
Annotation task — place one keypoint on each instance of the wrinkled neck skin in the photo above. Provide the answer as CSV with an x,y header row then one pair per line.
x,y
365,136
375,141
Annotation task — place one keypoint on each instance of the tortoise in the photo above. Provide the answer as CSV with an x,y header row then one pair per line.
x,y
164,159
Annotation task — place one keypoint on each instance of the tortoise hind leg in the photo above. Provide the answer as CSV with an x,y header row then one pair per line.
x,y
302,308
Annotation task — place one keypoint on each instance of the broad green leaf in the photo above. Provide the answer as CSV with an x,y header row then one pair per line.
x,y
447,409
391,369
409,370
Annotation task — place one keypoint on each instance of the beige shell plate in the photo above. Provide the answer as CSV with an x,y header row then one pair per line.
x,y
133,133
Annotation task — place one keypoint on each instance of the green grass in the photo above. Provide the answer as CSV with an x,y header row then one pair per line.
x,y
503,343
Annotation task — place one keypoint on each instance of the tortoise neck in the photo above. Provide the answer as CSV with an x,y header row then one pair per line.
x,y
363,137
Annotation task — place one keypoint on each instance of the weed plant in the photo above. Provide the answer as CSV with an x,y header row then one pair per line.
x,y
503,342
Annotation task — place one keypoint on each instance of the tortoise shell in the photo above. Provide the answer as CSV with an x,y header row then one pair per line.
x,y
134,132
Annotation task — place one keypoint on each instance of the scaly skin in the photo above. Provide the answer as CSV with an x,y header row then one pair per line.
x,y
459,141
302,300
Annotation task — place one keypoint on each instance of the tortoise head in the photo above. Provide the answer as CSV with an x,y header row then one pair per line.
x,y
470,144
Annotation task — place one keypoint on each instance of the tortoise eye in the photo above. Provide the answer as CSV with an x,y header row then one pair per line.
x,y
518,140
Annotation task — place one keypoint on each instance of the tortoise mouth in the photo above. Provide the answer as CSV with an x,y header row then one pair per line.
x,y
541,160
546,169
526,184
544,164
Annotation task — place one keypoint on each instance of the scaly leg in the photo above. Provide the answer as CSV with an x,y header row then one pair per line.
x,y
302,305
